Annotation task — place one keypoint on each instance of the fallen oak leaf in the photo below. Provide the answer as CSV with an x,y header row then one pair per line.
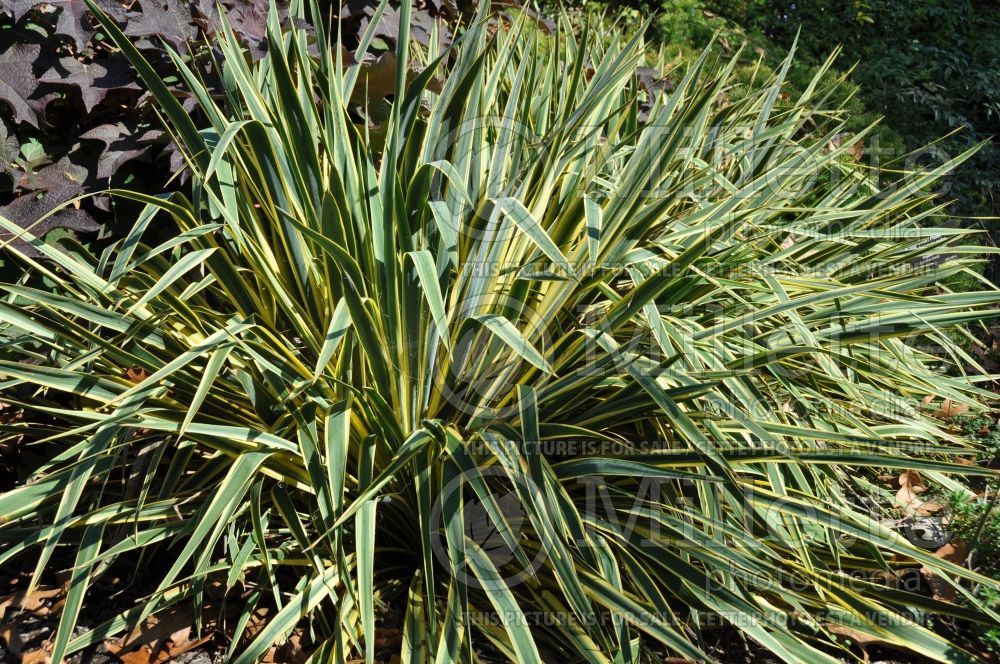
x,y
949,409
891,480
53,609
136,374
178,644
258,620
32,603
11,636
292,651
858,150
40,656
215,588
928,508
144,655
151,636
388,639
180,636
954,552
175,646
910,484
941,590
860,639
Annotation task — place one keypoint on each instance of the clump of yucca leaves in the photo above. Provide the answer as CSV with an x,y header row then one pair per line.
x,y
490,303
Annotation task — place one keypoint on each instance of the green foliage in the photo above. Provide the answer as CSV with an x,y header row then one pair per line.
x,y
480,348
984,431
974,520
682,30
989,637
977,522
929,67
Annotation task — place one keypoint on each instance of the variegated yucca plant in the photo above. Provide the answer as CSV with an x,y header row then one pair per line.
x,y
551,365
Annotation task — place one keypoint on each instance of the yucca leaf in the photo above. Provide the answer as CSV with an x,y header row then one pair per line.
x,y
521,343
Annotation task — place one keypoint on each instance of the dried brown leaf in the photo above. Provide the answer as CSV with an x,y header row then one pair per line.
x,y
956,552
37,601
40,656
859,638
950,409
152,636
910,484
11,636
137,374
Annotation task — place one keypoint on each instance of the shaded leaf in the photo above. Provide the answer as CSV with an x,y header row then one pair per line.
x,y
168,19
34,602
122,144
63,176
421,24
95,79
73,21
377,79
249,22
26,210
19,82
72,17
18,8
653,80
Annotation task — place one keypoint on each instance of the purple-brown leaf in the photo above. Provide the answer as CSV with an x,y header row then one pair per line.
x,y
19,84
73,21
122,144
63,176
168,19
26,212
95,80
